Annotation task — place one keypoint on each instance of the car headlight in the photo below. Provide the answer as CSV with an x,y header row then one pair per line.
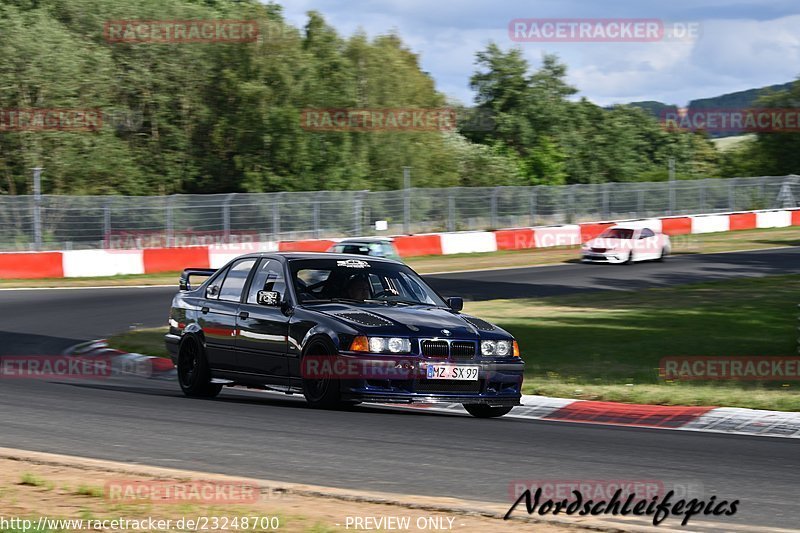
x,y
389,345
503,348
498,348
488,347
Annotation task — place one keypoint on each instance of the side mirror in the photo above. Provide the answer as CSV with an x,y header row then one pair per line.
x,y
456,303
270,298
212,290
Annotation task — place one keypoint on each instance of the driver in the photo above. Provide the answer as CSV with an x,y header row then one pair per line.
x,y
358,288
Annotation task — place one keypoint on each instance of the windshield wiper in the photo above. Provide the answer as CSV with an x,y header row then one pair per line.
x,y
334,300
407,302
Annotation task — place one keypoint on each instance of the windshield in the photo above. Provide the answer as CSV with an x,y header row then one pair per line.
x,y
617,233
360,281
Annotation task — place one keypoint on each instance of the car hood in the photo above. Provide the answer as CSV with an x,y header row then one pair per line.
x,y
418,321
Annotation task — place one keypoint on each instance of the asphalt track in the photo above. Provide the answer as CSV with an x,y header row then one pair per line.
x,y
374,448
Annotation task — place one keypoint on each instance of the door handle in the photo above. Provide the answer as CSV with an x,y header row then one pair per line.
x,y
244,315
204,310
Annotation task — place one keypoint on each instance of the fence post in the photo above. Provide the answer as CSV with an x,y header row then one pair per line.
x,y
731,195
37,208
532,206
276,216
407,200
170,229
451,212
359,205
571,204
316,215
671,197
226,216
493,216
605,200
107,222
640,203
702,205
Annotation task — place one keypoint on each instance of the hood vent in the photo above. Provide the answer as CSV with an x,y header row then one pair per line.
x,y
365,319
478,323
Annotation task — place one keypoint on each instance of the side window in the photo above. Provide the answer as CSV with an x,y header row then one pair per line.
x,y
212,290
647,232
232,287
268,277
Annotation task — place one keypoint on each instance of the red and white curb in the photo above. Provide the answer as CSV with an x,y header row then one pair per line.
x,y
124,363
731,420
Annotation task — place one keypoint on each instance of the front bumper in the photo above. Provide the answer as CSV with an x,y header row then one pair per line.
x,y
604,257
498,384
172,341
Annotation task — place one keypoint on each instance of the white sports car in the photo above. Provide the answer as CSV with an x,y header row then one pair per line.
x,y
626,244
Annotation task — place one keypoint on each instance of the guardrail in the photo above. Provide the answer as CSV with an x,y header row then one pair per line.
x,y
84,263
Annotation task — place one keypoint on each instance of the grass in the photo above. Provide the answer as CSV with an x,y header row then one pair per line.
x,y
682,244
146,341
607,345
93,492
32,481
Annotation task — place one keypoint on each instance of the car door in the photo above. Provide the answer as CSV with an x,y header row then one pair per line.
x,y
261,339
219,312
647,244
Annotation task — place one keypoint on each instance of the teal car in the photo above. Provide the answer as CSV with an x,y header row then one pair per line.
x,y
372,246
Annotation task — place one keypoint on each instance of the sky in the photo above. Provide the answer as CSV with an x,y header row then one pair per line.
x,y
740,44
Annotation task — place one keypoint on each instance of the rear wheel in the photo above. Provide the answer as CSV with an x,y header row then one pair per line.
x,y
194,376
486,411
322,393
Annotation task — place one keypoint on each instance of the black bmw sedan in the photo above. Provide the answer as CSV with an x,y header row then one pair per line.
x,y
339,329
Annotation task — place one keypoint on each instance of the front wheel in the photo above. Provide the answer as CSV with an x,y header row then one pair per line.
x,y
629,260
322,392
194,376
486,411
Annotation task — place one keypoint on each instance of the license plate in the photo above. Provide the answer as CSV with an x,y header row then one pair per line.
x,y
457,372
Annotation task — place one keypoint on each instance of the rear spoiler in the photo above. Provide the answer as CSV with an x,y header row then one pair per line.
x,y
183,281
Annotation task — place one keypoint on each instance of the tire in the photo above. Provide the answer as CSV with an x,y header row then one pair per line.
x,y
194,376
662,256
629,260
322,393
486,411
